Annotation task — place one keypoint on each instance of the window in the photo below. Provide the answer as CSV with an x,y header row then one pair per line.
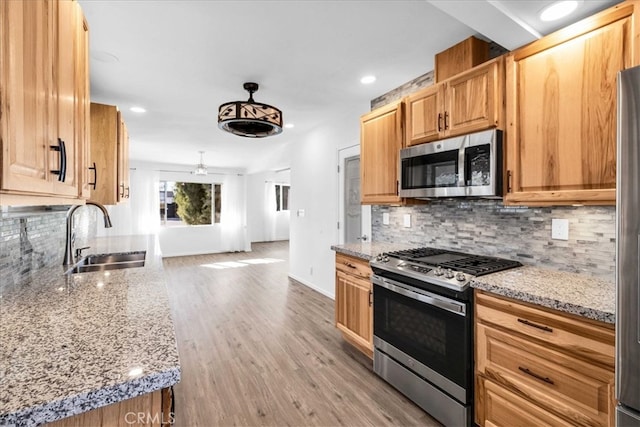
x,y
282,197
189,203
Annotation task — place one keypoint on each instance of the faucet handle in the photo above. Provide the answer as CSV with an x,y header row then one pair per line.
x,y
79,251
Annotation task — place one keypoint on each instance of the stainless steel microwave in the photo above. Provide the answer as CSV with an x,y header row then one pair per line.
x,y
463,166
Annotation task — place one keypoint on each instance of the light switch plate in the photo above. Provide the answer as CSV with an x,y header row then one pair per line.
x,y
300,212
407,220
560,229
385,218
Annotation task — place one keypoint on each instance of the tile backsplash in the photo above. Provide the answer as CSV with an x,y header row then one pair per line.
x,y
32,240
487,227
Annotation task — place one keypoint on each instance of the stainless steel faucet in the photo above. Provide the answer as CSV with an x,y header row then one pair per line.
x,y
69,258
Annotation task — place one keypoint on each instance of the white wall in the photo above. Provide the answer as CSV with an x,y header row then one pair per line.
x,y
263,222
314,188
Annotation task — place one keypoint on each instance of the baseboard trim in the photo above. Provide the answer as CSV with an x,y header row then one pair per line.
x,y
312,286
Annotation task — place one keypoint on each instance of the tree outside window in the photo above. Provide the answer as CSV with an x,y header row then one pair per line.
x,y
190,203
282,197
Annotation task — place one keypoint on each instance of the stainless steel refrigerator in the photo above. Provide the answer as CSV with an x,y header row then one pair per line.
x,y
628,250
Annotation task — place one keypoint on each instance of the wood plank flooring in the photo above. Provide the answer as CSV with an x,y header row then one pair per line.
x,y
259,349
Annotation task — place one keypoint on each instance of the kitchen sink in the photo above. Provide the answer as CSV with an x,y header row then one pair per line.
x,y
105,262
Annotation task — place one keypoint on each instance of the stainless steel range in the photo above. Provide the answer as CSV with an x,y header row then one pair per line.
x,y
423,326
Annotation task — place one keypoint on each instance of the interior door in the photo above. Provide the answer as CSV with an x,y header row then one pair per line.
x,y
354,223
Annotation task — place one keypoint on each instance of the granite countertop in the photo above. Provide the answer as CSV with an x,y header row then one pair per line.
x,y
75,343
369,250
578,294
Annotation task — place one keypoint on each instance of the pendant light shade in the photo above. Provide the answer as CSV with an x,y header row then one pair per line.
x,y
249,118
200,169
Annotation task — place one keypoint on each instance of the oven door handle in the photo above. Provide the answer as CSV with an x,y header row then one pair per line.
x,y
422,296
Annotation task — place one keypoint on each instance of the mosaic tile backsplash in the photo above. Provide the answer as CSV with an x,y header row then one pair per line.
x,y
30,241
487,227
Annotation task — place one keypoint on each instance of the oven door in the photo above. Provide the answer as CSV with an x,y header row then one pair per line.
x,y
412,325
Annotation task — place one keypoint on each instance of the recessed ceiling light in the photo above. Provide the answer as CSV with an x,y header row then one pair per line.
x,y
138,110
366,80
289,125
558,10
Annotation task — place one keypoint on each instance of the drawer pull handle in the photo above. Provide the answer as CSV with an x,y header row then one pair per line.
x,y
536,376
348,264
534,325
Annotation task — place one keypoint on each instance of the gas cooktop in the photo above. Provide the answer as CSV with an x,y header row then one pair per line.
x,y
450,269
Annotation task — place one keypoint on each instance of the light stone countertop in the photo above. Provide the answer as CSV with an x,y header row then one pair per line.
x,y
368,250
70,344
578,294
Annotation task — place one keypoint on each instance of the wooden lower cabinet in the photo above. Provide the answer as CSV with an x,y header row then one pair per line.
x,y
353,307
555,369
151,409
500,407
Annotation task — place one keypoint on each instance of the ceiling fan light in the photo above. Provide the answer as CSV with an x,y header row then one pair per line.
x,y
249,118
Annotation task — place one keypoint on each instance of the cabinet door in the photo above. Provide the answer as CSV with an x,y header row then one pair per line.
x,y
65,108
26,94
86,175
104,152
381,139
474,99
578,391
425,115
561,107
353,309
498,407
123,160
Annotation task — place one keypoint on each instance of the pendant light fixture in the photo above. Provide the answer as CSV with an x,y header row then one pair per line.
x,y
200,169
249,118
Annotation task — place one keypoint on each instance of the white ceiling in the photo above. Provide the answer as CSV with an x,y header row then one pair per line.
x,y
182,59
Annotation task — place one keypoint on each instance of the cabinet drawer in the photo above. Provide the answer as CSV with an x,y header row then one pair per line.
x,y
499,407
583,339
580,391
354,266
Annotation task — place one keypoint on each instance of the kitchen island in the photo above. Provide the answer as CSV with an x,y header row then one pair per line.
x,y
73,343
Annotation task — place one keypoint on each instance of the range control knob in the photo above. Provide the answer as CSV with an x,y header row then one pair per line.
x,y
449,274
379,258
385,258
438,271
382,258
460,277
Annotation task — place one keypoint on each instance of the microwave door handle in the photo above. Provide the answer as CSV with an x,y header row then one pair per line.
x,y
461,165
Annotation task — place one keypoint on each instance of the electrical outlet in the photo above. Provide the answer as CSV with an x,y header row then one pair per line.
x,y
385,218
560,229
311,271
407,220
301,213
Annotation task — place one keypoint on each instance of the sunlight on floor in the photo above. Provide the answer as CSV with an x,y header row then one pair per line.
x,y
241,263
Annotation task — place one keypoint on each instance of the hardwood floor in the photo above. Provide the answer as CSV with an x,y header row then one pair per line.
x,y
257,348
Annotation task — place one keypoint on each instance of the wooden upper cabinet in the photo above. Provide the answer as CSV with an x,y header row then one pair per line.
x,y
469,102
474,99
460,57
561,111
110,153
381,138
87,173
26,95
65,97
41,149
124,190
425,118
